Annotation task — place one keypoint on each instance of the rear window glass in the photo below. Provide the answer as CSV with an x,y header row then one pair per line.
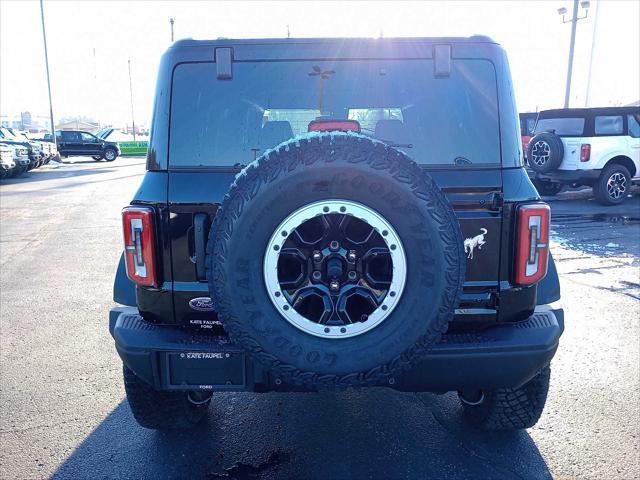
x,y
434,120
71,136
561,126
609,125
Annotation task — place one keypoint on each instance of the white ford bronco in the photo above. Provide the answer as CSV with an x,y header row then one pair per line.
x,y
599,147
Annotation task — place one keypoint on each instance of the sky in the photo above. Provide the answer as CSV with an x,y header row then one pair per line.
x,y
91,42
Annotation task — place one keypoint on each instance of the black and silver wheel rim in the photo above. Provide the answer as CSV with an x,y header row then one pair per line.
x,y
616,185
540,153
335,269
109,155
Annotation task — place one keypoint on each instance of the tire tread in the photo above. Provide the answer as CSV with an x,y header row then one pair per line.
x,y
511,408
377,156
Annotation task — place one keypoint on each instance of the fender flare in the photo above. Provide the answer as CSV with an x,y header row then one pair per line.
x,y
124,290
549,287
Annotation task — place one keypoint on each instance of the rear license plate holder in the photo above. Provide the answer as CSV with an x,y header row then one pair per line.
x,y
205,370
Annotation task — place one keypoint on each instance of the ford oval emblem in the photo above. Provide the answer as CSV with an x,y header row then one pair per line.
x,y
202,304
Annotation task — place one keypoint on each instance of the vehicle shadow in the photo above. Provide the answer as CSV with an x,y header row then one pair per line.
x,y
34,176
373,433
67,170
73,161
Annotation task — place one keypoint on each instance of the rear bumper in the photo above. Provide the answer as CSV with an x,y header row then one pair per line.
x,y
171,358
586,177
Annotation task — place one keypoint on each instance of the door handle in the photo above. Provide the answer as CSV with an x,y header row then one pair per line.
x,y
200,221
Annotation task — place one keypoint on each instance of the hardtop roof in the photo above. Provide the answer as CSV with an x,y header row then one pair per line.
x,y
189,42
580,112
265,49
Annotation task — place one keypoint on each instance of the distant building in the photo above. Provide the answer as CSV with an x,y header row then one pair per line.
x,y
26,120
11,121
78,125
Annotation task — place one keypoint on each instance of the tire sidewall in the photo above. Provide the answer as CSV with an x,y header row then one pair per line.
x,y
108,152
602,193
556,152
270,336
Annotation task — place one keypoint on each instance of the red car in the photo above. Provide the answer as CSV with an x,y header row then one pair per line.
x,y
527,125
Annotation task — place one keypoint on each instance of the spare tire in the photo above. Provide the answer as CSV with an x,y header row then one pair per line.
x,y
335,261
545,152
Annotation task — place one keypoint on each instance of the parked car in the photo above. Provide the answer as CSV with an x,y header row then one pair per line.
x,y
47,139
527,126
34,149
7,163
76,143
387,235
598,147
20,156
44,147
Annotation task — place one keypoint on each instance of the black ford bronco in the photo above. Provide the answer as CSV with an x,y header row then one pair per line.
x,y
336,213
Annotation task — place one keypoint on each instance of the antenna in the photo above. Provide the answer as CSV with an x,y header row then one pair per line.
x,y
288,31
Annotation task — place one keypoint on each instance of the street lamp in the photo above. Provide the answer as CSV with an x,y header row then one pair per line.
x,y
585,4
316,71
133,121
46,62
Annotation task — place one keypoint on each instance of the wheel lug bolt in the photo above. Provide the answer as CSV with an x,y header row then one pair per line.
x,y
316,275
351,256
317,256
334,285
352,275
334,245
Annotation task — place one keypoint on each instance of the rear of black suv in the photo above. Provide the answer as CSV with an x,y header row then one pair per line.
x,y
333,213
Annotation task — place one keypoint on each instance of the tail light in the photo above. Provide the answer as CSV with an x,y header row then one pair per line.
x,y
137,224
585,152
329,125
533,243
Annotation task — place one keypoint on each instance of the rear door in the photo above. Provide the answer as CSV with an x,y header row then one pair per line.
x,y
448,124
71,142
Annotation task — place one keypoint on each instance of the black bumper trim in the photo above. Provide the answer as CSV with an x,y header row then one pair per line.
x,y
173,358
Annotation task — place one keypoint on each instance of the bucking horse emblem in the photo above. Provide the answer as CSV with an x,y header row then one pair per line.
x,y
471,243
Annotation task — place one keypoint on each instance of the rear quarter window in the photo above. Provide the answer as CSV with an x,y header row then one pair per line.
x,y
609,125
222,123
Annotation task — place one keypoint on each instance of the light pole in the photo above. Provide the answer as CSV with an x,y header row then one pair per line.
x,y
172,21
133,121
574,20
593,47
316,71
46,62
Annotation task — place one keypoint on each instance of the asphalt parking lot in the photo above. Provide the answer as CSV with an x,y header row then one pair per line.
x,y
62,408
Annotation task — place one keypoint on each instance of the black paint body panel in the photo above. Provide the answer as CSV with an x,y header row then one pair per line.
x,y
483,197
479,197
